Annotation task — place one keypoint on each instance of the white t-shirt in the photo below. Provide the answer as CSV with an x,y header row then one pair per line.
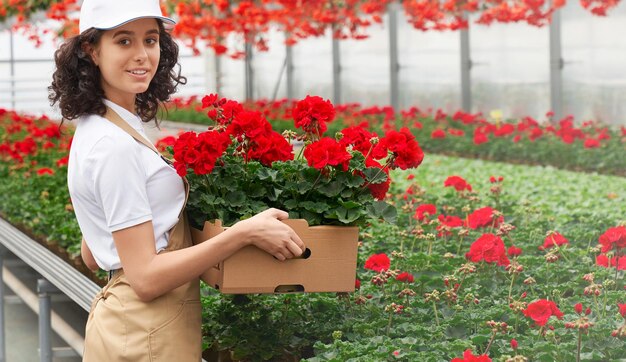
x,y
115,182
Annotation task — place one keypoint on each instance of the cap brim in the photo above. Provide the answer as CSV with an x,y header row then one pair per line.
x,y
167,22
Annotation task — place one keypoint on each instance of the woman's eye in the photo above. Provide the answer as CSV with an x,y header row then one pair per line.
x,y
124,42
152,41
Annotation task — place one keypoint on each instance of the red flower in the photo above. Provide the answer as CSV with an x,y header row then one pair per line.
x,y
483,217
359,138
458,183
554,238
63,161
489,248
45,171
479,137
514,251
591,143
421,210
613,238
270,148
406,151
249,124
199,152
405,277
357,284
494,179
578,308
164,142
622,309
410,177
541,310
448,222
312,113
326,152
209,100
378,262
438,133
469,357
378,190
514,344
603,261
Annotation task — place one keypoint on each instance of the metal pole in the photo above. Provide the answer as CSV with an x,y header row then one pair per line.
x,y
218,74
394,83
336,72
466,67
2,327
45,328
248,71
289,56
12,61
556,66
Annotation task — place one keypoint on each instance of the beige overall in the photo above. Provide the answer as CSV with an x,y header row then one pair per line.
x,y
123,328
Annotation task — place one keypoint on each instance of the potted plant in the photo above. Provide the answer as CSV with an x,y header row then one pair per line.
x,y
329,186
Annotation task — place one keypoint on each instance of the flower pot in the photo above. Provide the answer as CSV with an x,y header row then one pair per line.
x,y
328,265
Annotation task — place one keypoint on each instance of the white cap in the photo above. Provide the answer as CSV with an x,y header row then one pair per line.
x,y
109,14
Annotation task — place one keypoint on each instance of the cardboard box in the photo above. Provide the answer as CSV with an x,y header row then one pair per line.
x,y
329,265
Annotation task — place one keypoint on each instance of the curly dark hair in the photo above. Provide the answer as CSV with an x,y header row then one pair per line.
x,y
76,80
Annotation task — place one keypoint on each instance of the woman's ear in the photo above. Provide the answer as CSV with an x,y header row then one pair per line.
x,y
92,52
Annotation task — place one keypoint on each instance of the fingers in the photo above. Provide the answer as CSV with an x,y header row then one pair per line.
x,y
295,250
298,242
279,214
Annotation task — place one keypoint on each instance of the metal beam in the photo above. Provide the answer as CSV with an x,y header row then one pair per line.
x,y
249,72
466,67
336,72
394,66
556,66
69,280
290,70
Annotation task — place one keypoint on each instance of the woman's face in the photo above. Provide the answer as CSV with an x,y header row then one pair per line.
x,y
128,57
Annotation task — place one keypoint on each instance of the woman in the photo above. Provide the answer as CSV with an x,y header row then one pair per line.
x,y
127,198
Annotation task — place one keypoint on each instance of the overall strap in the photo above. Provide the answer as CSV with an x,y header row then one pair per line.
x,y
180,233
114,118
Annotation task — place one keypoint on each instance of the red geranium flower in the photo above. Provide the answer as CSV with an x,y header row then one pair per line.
x,y
378,262
554,238
378,190
468,356
406,151
326,152
483,217
622,309
458,183
249,124
613,238
438,133
270,148
489,248
514,251
603,261
591,143
448,222
405,277
541,310
45,171
359,138
423,210
312,113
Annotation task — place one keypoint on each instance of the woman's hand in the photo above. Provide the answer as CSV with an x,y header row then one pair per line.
x,y
265,231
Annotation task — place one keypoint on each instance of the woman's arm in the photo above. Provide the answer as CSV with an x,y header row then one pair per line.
x,y
151,275
88,259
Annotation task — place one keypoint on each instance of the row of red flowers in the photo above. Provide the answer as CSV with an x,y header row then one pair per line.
x,y
214,21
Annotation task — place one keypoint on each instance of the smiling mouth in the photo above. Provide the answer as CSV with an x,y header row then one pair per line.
x,y
138,72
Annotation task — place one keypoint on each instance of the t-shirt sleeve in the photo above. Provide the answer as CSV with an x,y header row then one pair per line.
x,y
119,180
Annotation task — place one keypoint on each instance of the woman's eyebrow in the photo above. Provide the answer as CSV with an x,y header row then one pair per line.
x,y
130,33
